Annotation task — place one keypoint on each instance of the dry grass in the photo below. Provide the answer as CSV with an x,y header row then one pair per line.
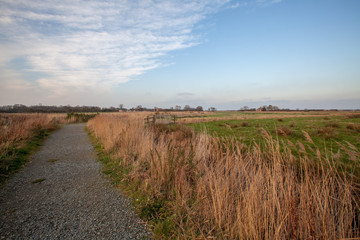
x,y
353,126
16,129
284,131
224,116
221,188
353,115
20,134
327,132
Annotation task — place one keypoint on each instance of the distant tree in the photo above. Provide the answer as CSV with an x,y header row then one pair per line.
x,y
177,108
121,106
187,108
199,108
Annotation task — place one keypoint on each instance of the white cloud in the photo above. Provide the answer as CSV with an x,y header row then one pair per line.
x,y
95,43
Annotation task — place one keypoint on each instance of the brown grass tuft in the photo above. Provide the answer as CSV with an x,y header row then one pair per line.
x,y
353,126
353,115
333,125
284,131
327,132
245,124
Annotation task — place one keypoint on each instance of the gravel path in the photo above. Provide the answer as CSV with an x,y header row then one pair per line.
x,y
71,198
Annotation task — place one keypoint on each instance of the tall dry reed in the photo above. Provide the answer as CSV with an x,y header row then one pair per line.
x,y
222,188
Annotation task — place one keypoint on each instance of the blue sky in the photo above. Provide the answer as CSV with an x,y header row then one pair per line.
x,y
221,53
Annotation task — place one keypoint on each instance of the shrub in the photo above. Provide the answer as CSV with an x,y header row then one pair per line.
x,y
244,124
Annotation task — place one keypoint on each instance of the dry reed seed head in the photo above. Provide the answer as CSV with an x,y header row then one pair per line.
x,y
307,137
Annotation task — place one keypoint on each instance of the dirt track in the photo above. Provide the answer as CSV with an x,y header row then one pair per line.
x,y
62,194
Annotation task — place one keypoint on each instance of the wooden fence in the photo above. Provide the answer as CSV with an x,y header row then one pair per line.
x,y
160,119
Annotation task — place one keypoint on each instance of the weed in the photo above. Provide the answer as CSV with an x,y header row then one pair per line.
x,y
354,115
244,124
327,132
80,117
284,131
39,180
352,126
221,124
52,160
20,135
280,120
333,125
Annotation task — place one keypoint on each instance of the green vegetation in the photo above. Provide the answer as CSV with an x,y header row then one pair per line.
x,y
328,133
38,180
80,117
16,156
329,130
150,208
52,160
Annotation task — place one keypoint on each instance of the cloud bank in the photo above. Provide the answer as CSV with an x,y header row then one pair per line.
x,y
92,44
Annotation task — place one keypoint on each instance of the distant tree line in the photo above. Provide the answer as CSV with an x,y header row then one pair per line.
x,y
276,108
20,108
177,108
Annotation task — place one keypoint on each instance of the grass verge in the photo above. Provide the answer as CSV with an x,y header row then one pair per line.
x,y
151,209
16,156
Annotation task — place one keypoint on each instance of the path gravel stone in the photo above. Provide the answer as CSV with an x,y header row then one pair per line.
x,y
62,194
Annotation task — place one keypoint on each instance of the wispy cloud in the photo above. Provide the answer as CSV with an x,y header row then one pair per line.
x,y
267,2
94,43
67,46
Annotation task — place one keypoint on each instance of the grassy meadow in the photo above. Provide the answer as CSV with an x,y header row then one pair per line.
x,y
237,175
329,133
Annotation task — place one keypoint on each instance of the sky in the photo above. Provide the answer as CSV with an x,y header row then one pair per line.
x,y
212,53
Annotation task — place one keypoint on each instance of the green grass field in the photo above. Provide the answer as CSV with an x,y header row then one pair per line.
x,y
327,133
